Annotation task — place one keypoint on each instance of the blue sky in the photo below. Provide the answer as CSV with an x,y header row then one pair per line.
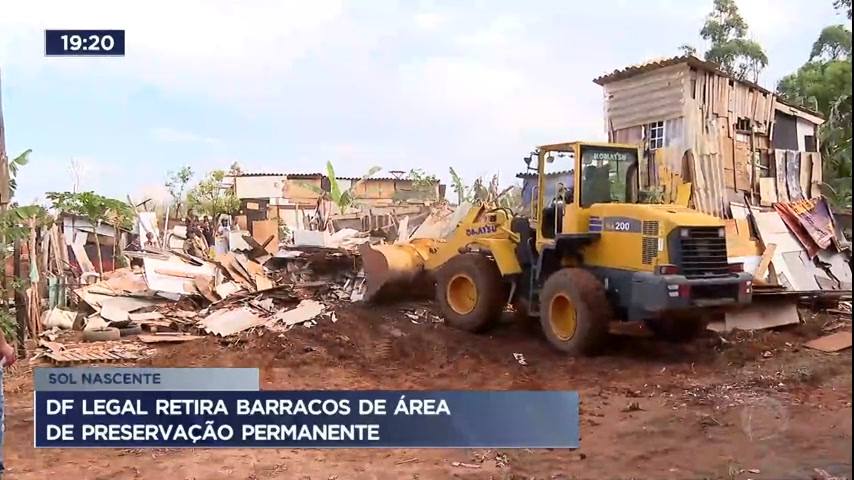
x,y
284,86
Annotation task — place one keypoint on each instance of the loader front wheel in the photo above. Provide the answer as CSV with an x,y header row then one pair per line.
x,y
470,292
574,312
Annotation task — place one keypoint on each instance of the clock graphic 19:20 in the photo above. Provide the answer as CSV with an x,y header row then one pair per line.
x,y
84,43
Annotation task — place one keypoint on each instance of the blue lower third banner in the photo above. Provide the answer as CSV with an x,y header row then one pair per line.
x,y
306,419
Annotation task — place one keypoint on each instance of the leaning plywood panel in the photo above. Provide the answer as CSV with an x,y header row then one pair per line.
x,y
741,161
816,177
767,191
793,175
794,270
805,173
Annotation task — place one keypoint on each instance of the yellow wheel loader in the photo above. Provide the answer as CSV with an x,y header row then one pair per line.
x,y
585,257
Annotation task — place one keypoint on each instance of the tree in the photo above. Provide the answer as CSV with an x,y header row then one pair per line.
x,y
725,30
176,183
97,209
843,5
211,197
424,187
464,193
688,50
343,199
235,170
16,223
824,84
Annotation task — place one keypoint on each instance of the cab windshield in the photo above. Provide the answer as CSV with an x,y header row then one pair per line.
x,y
604,174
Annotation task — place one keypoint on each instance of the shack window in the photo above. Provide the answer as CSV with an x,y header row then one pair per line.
x,y
810,143
655,135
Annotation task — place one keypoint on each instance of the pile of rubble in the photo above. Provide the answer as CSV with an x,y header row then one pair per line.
x,y
170,296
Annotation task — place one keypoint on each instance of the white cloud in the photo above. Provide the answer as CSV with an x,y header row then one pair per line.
x,y
165,134
210,46
157,193
462,86
429,21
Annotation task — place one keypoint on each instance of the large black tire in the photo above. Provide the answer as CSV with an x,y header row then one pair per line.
x,y
677,330
131,329
575,291
480,275
105,334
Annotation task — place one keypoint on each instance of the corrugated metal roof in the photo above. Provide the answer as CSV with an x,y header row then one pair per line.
x,y
313,175
692,61
280,174
550,174
652,65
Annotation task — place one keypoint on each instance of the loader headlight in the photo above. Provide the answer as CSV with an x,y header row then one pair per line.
x,y
684,233
721,233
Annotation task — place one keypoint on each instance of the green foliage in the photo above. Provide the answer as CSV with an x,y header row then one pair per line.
x,y
424,185
235,170
211,197
729,47
511,197
343,199
686,49
464,193
843,5
9,326
14,167
93,207
824,84
725,30
176,183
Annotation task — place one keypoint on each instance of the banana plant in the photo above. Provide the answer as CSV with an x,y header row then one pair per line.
x,y
343,199
14,166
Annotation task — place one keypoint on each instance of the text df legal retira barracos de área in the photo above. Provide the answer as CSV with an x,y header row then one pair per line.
x,y
209,431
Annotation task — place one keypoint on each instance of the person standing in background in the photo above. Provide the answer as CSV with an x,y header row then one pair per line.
x,y
208,235
8,357
222,237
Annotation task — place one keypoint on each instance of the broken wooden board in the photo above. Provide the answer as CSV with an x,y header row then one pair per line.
x,y
118,309
203,285
170,282
834,342
167,338
305,311
145,317
262,230
760,316
79,356
227,288
228,322
767,191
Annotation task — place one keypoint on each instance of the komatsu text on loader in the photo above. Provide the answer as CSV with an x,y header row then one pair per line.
x,y
587,256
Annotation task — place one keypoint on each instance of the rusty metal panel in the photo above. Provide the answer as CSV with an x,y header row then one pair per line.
x,y
651,97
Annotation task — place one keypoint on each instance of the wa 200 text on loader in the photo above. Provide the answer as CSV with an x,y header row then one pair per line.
x,y
586,257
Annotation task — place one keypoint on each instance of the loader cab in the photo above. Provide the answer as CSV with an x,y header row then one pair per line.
x,y
600,173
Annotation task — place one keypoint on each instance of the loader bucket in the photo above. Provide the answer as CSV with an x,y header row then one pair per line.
x,y
396,271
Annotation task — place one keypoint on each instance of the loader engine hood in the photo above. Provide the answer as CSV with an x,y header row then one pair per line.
x,y
634,216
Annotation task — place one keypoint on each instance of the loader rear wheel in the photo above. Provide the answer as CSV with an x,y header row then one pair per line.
x,y
574,312
471,292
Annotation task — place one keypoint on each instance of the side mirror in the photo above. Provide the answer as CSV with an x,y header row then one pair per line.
x,y
528,160
550,159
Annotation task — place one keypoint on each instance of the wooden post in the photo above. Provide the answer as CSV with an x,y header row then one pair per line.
x,y
4,195
21,311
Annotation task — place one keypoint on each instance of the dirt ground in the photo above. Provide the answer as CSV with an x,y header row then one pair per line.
x,y
753,406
